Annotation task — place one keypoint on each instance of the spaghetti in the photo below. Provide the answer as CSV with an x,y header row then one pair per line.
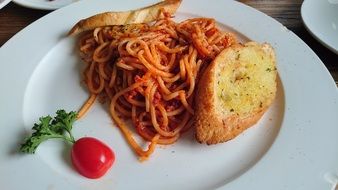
x,y
148,73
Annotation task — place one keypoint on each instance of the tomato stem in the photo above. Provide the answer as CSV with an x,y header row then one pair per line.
x,y
68,139
71,138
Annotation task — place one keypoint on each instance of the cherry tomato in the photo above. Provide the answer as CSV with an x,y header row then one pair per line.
x,y
91,158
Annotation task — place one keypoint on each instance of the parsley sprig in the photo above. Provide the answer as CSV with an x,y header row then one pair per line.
x,y
58,127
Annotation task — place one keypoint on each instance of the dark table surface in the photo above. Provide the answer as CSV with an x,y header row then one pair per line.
x,y
13,18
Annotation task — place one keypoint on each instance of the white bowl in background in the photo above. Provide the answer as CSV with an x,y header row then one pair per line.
x,y
4,2
320,17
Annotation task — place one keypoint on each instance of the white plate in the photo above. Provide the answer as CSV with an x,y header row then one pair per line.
x,y
44,4
294,146
3,3
321,19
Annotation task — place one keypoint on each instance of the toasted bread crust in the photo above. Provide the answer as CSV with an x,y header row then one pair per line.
x,y
215,125
142,15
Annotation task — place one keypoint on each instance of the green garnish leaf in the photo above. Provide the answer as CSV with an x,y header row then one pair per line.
x,y
48,128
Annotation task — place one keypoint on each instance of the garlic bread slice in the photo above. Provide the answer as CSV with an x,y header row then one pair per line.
x,y
142,15
235,91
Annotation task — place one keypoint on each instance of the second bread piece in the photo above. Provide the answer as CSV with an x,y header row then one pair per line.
x,y
234,92
142,15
